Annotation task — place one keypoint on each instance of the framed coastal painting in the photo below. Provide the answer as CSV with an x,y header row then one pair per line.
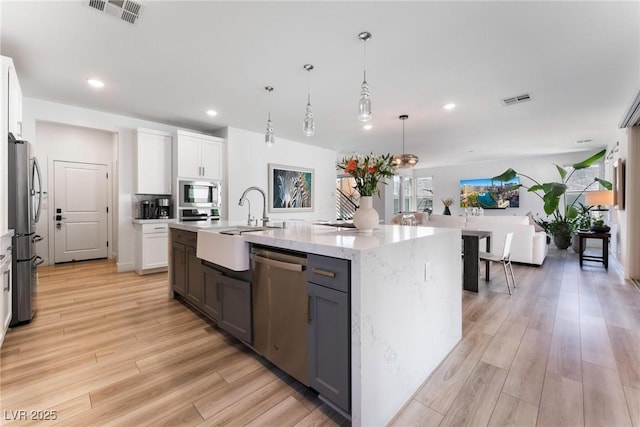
x,y
291,189
489,194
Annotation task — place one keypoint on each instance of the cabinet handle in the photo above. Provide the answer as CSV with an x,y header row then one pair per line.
x,y
158,228
218,291
308,309
203,171
324,273
278,264
2,257
8,288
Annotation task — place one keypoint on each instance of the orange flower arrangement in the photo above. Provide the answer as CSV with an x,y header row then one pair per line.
x,y
368,171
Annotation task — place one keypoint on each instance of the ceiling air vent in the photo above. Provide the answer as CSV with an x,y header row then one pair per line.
x,y
127,10
516,99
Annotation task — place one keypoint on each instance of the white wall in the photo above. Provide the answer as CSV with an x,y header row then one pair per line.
x,y
248,159
446,180
123,127
74,144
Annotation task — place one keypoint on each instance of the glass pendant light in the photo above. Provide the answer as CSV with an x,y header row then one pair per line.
x,y
309,125
364,106
404,160
268,136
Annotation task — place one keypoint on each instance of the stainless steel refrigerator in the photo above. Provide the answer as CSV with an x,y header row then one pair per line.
x,y
25,199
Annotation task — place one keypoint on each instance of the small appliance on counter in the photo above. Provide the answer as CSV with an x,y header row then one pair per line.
x,y
145,210
162,210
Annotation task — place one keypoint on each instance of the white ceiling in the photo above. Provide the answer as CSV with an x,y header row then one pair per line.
x,y
580,61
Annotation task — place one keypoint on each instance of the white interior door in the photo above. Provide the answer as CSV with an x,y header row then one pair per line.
x,y
80,210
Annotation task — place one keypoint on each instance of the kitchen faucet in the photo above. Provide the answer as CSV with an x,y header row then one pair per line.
x,y
264,203
250,219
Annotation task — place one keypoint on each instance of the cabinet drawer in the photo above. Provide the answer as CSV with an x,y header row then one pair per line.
x,y
187,238
333,273
155,228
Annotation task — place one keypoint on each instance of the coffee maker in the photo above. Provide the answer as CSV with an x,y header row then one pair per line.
x,y
162,208
146,211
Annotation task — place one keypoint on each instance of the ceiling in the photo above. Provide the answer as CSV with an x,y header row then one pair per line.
x,y
579,61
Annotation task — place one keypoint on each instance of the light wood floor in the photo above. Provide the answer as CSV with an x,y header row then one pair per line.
x,y
111,349
564,350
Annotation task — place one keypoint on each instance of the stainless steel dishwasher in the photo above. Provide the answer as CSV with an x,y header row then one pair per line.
x,y
281,309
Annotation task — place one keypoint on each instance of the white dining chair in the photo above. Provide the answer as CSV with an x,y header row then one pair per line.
x,y
505,259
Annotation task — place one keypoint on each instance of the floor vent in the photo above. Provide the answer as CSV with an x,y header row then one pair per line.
x,y
127,10
516,99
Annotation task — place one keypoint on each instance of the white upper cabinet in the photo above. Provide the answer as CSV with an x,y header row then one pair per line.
x,y
153,160
189,154
199,156
15,103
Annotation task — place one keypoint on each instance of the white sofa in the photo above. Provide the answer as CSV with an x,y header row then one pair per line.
x,y
528,246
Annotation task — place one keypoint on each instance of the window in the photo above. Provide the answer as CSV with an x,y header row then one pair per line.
x,y
403,199
582,178
416,194
424,193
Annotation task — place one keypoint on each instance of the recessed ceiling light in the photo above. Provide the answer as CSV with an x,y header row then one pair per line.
x,y
98,84
449,106
367,127
212,113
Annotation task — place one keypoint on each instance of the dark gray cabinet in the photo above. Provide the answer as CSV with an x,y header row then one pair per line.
x,y
210,292
183,258
178,267
194,288
224,296
329,337
235,307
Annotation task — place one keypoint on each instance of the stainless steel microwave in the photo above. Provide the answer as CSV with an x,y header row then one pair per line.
x,y
199,194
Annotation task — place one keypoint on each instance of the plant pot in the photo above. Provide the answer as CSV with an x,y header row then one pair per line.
x,y
575,244
446,211
562,236
366,218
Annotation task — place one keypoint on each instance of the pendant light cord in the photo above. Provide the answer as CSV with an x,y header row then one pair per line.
x,y
364,59
308,87
403,136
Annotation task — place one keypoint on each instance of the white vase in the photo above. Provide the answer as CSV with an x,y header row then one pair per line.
x,y
366,218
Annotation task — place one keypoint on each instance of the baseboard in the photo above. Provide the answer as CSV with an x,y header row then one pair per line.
x,y
124,266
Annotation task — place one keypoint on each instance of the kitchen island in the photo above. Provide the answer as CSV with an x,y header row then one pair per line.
x,y
405,304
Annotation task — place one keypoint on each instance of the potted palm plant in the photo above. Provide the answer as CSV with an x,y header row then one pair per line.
x,y
561,225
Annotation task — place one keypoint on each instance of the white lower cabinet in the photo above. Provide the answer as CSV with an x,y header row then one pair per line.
x,y
5,291
152,248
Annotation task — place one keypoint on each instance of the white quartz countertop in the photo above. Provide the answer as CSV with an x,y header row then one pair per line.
x,y
195,226
8,234
154,221
339,242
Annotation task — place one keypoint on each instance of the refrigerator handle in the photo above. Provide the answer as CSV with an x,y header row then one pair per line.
x,y
38,260
36,169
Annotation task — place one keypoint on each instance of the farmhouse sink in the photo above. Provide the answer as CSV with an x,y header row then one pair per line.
x,y
225,246
236,231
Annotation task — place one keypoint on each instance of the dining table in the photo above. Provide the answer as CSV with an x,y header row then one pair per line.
x,y
471,248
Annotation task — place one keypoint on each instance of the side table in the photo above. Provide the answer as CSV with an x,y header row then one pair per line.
x,y
604,237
